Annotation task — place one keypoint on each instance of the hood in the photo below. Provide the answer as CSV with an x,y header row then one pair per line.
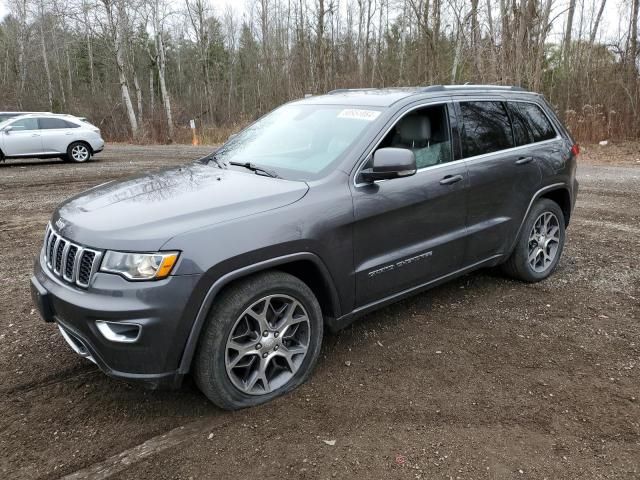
x,y
144,212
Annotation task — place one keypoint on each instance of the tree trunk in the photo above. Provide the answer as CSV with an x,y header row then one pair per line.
x,y
45,60
633,43
542,38
475,40
161,66
136,85
22,62
117,28
152,97
567,34
85,11
596,24
320,47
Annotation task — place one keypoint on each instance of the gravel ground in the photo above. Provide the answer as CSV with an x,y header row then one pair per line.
x,y
481,378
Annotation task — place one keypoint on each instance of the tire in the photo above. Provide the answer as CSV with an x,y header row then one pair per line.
x,y
529,261
78,152
232,378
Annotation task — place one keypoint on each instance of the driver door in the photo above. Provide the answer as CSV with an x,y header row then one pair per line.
x,y
23,139
411,231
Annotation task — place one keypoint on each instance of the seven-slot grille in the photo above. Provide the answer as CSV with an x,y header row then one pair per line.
x,y
72,262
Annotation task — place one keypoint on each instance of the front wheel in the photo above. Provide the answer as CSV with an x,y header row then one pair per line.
x,y
78,152
539,245
262,340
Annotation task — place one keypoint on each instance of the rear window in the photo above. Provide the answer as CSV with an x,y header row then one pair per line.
x,y
485,128
50,123
539,125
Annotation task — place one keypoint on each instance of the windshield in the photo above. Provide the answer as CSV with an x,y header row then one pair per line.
x,y
7,116
298,141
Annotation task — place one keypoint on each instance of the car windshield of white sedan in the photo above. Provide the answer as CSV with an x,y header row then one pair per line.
x,y
299,138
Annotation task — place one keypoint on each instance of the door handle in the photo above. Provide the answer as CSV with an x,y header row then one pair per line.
x,y
35,134
69,133
449,179
524,160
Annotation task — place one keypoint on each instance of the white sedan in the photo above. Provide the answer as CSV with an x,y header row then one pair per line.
x,y
49,135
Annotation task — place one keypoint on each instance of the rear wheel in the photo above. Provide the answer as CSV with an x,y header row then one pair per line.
x,y
540,244
262,340
78,152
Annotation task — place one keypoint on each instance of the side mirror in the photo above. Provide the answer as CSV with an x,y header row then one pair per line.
x,y
390,163
7,129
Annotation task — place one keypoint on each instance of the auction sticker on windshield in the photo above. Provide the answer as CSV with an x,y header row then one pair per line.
x,y
359,114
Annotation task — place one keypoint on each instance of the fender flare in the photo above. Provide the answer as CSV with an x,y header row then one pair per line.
x,y
536,196
201,317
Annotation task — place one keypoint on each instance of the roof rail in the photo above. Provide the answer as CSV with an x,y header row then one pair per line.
x,y
342,90
436,88
433,88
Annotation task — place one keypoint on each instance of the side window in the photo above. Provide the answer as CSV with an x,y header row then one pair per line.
x,y
539,125
485,128
71,124
521,132
50,123
25,124
424,131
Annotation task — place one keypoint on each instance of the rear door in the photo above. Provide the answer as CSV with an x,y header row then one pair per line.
x,y
23,138
409,231
503,177
56,134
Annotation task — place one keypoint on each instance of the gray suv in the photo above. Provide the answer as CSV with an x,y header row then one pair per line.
x,y
231,268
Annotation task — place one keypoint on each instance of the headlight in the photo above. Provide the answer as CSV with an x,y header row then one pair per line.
x,y
139,266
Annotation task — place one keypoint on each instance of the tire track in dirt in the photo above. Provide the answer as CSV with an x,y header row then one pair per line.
x,y
611,225
57,377
153,446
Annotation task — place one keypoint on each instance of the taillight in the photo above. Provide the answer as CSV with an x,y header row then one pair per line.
x,y
575,150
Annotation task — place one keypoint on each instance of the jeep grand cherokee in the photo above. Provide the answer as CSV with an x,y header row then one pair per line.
x,y
230,268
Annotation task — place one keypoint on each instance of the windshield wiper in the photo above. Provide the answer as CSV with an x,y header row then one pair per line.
x,y
213,157
255,168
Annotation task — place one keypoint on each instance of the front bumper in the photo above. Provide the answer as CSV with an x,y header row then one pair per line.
x,y
157,307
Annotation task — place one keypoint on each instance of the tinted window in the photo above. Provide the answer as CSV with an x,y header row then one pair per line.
x,y
49,123
520,125
485,128
539,125
425,132
25,124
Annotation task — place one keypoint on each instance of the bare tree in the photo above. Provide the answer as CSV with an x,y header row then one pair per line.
x,y
45,59
158,15
116,23
226,68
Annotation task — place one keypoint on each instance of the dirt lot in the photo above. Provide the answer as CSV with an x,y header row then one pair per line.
x,y
481,378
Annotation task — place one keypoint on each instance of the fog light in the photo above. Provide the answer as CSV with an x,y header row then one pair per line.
x,y
119,332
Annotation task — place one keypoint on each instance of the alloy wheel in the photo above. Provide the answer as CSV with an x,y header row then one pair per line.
x,y
544,241
80,153
267,344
